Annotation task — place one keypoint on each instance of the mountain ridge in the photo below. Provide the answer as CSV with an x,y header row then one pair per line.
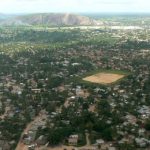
x,y
53,19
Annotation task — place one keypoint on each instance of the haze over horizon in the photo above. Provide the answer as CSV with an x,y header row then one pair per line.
x,y
74,6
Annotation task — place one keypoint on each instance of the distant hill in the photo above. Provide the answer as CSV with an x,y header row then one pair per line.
x,y
5,16
2,16
52,19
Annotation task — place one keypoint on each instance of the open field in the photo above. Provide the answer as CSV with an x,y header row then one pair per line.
x,y
104,78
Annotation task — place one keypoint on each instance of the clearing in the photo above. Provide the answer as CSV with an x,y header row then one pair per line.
x,y
104,78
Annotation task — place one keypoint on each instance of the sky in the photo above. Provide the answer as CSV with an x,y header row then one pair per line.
x,y
74,6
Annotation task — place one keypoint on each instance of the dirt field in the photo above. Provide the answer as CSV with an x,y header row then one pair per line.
x,y
104,78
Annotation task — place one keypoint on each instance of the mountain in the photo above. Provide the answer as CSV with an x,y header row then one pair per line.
x,y
5,16
2,16
53,19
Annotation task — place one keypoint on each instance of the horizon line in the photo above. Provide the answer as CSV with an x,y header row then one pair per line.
x,y
7,13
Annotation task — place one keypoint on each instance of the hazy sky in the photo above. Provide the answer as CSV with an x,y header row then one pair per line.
x,y
32,6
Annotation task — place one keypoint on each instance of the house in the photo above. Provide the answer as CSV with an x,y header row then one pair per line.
x,y
36,90
100,141
142,142
73,139
41,140
111,148
131,119
141,132
144,111
31,147
29,137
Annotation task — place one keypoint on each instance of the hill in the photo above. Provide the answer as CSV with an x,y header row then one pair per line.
x,y
52,19
6,16
3,16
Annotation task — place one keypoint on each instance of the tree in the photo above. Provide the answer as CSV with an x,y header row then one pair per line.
x,y
147,125
104,108
58,135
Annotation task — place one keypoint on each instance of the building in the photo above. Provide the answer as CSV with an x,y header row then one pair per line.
x,y
73,139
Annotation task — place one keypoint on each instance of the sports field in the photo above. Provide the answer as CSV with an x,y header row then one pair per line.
x,y
104,78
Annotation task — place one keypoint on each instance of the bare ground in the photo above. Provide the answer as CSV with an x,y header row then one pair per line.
x,y
104,78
